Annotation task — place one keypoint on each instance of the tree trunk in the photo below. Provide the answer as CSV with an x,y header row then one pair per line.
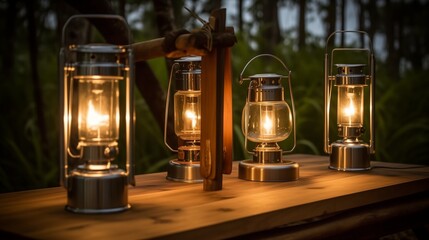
x,y
361,22
166,23
240,15
9,52
270,25
392,53
301,24
373,19
37,88
331,20
122,8
343,21
164,16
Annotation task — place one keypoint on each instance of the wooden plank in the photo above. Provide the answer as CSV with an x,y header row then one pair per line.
x,y
165,209
368,222
215,134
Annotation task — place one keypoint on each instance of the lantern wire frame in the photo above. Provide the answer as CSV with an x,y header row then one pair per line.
x,y
167,105
329,61
241,80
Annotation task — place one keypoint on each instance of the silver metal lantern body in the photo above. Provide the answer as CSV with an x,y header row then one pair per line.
x,y
96,95
350,153
266,120
186,72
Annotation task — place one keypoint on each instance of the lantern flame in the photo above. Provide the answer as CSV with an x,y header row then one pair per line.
x,y
192,117
267,125
96,120
350,110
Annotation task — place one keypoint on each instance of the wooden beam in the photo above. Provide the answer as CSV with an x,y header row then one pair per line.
x,y
184,45
216,111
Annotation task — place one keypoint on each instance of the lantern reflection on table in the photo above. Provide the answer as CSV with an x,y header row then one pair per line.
x,y
267,119
96,94
186,72
349,153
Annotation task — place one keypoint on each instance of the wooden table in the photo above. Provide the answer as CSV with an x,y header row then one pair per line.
x,y
321,203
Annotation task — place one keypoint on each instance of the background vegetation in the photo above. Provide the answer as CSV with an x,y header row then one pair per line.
x,y
29,77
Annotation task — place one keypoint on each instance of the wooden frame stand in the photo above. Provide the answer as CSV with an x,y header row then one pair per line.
x,y
216,110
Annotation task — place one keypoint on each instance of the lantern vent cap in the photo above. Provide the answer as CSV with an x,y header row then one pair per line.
x,y
350,74
97,48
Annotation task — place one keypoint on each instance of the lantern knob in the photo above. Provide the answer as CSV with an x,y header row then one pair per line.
x,y
111,152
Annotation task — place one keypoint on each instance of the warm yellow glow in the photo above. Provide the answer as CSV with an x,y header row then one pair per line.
x,y
350,110
94,119
267,124
192,117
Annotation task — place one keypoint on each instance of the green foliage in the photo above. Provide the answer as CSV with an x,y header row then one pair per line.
x,y
402,124
23,164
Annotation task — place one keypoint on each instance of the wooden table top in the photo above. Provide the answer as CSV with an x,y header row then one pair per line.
x,y
164,209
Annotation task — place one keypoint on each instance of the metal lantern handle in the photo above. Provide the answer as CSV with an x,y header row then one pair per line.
x,y
329,61
167,104
241,80
96,16
64,98
370,49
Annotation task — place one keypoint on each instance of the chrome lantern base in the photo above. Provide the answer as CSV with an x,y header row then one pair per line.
x,y
181,171
268,172
96,192
187,167
350,156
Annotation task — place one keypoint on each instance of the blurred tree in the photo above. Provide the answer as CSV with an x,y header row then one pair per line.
x,y
302,24
416,35
367,19
393,29
343,21
37,87
270,25
331,17
373,16
164,16
8,53
361,21
165,20
240,15
121,7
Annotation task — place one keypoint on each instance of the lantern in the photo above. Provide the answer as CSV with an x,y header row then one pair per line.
x,y
96,95
266,120
187,120
349,153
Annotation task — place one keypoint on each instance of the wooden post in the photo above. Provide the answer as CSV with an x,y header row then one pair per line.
x,y
216,111
184,45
